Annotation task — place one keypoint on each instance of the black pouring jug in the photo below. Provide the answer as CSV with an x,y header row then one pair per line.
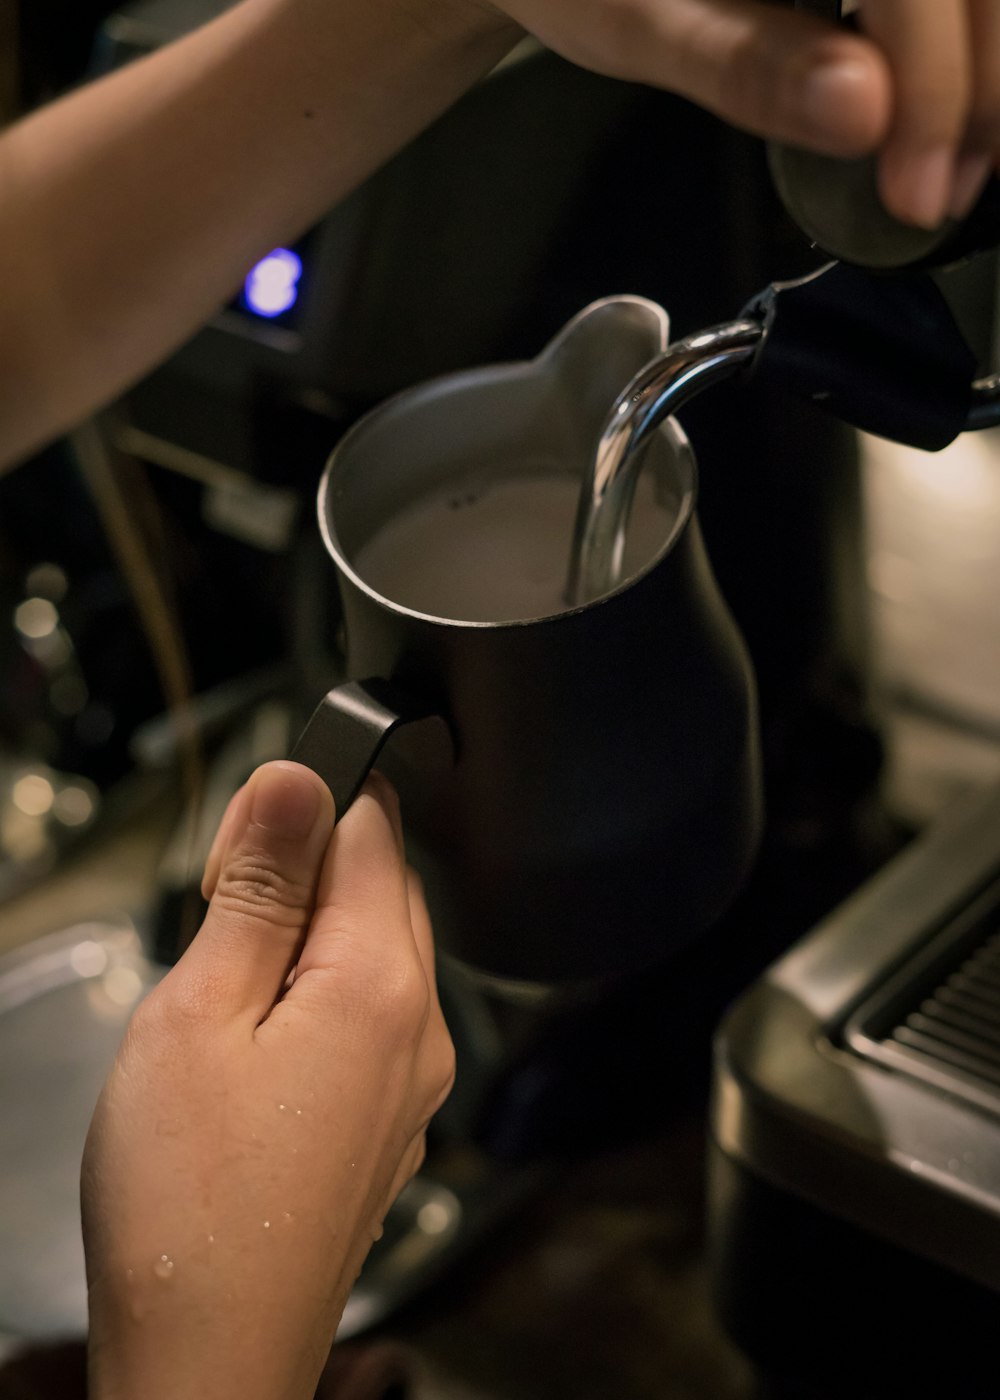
x,y
580,782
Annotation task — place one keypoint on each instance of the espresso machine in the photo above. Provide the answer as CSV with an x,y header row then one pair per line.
x,y
474,246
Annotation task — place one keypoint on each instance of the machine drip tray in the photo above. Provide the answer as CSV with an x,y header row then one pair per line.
x,y
938,1018
854,1190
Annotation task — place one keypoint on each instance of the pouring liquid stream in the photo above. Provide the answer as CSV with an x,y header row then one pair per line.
x,y
608,487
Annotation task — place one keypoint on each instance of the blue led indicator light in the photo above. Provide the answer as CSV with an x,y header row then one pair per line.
x,y
272,287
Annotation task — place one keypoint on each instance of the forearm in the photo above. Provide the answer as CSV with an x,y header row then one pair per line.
x,y
130,211
218,1319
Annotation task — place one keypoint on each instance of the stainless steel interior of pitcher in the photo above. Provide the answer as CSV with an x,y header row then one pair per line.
x,y
549,411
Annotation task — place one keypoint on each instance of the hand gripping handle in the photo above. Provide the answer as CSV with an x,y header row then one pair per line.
x,y
351,726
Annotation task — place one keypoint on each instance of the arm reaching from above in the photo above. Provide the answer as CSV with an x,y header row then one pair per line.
x,y
131,210
253,1134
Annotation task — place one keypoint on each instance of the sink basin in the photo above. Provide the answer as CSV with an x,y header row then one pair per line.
x,y
64,1003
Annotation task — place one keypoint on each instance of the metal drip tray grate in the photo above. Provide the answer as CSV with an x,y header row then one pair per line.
x,y
938,1017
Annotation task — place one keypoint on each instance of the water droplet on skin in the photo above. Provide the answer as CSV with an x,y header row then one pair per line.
x,y
267,1224
288,1216
211,1239
164,1267
130,1275
281,1106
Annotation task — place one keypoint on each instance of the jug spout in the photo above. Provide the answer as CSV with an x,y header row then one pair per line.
x,y
597,352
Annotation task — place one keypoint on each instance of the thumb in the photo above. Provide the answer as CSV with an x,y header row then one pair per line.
x,y
276,834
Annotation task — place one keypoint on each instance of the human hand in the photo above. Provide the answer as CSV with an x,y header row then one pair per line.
x,y
255,1130
920,83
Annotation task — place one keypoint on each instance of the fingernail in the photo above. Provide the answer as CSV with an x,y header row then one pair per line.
x,y
284,800
922,186
828,90
219,845
971,174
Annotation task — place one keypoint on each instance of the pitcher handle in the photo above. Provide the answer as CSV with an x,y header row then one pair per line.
x,y
349,729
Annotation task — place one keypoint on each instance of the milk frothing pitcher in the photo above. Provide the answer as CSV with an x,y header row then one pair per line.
x,y
598,802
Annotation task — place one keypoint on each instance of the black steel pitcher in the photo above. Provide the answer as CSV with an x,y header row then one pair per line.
x,y
597,804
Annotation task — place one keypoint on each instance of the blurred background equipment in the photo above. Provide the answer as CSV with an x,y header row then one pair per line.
x,y
168,623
